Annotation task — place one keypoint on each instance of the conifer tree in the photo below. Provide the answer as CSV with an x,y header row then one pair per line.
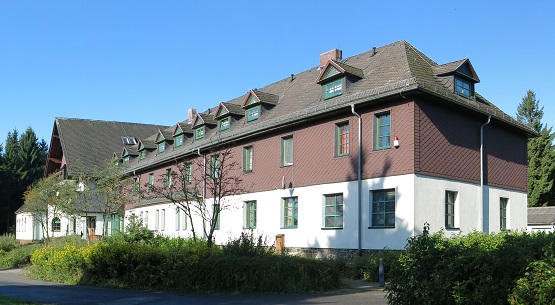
x,y
541,153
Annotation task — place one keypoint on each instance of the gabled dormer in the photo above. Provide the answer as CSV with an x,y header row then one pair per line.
x,y
128,153
201,122
334,77
226,113
459,76
116,157
256,101
144,146
180,130
163,138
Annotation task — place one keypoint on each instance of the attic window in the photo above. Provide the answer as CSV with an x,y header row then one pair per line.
x,y
199,133
224,124
129,140
142,154
126,160
463,87
253,113
334,88
161,147
179,140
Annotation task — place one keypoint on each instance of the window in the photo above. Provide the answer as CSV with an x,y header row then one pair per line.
x,y
157,220
382,131
334,88
168,182
450,201
150,182
247,159
250,214
503,203
163,220
183,220
146,219
383,208
199,133
463,88
188,172
217,212
290,212
224,124
142,154
56,224
177,219
342,139
214,167
161,147
135,186
179,141
253,113
126,160
333,211
287,151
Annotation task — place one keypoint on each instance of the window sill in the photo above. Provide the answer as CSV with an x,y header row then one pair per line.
x,y
287,165
452,229
332,228
247,172
289,227
374,228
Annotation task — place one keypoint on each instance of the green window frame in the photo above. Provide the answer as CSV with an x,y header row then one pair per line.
x,y
150,181
179,141
247,159
142,154
383,208
334,88
290,212
342,139
126,160
382,131
503,204
253,113
333,211
287,151
224,124
463,87
199,133
188,172
168,178
56,224
135,186
214,167
216,209
161,147
250,214
450,209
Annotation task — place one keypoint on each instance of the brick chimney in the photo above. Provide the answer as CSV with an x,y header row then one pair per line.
x,y
334,54
191,114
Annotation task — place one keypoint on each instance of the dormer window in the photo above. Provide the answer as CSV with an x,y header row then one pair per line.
x,y
224,124
463,87
161,147
253,113
179,140
126,160
199,133
333,88
142,154
334,76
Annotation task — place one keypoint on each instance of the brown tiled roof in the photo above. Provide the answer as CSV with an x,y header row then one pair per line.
x,y
350,69
388,71
90,143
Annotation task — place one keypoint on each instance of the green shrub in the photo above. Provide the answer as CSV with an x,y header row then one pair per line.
x,y
65,264
8,242
470,269
537,287
247,244
17,257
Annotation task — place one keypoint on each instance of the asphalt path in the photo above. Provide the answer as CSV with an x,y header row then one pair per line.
x,y
13,283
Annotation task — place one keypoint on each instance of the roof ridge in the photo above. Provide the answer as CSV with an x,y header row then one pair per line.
x,y
105,121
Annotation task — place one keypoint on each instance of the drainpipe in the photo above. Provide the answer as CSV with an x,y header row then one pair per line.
x,y
203,175
359,178
485,205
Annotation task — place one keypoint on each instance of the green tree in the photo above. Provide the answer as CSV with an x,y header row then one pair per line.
x,y
541,153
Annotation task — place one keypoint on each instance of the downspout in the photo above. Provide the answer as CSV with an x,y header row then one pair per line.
x,y
203,175
359,178
485,207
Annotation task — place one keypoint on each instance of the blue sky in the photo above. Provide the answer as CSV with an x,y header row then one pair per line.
x,y
150,61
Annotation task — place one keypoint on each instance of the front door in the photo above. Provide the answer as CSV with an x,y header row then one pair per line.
x,y
91,227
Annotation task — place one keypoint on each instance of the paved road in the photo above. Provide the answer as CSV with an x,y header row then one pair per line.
x,y
14,284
